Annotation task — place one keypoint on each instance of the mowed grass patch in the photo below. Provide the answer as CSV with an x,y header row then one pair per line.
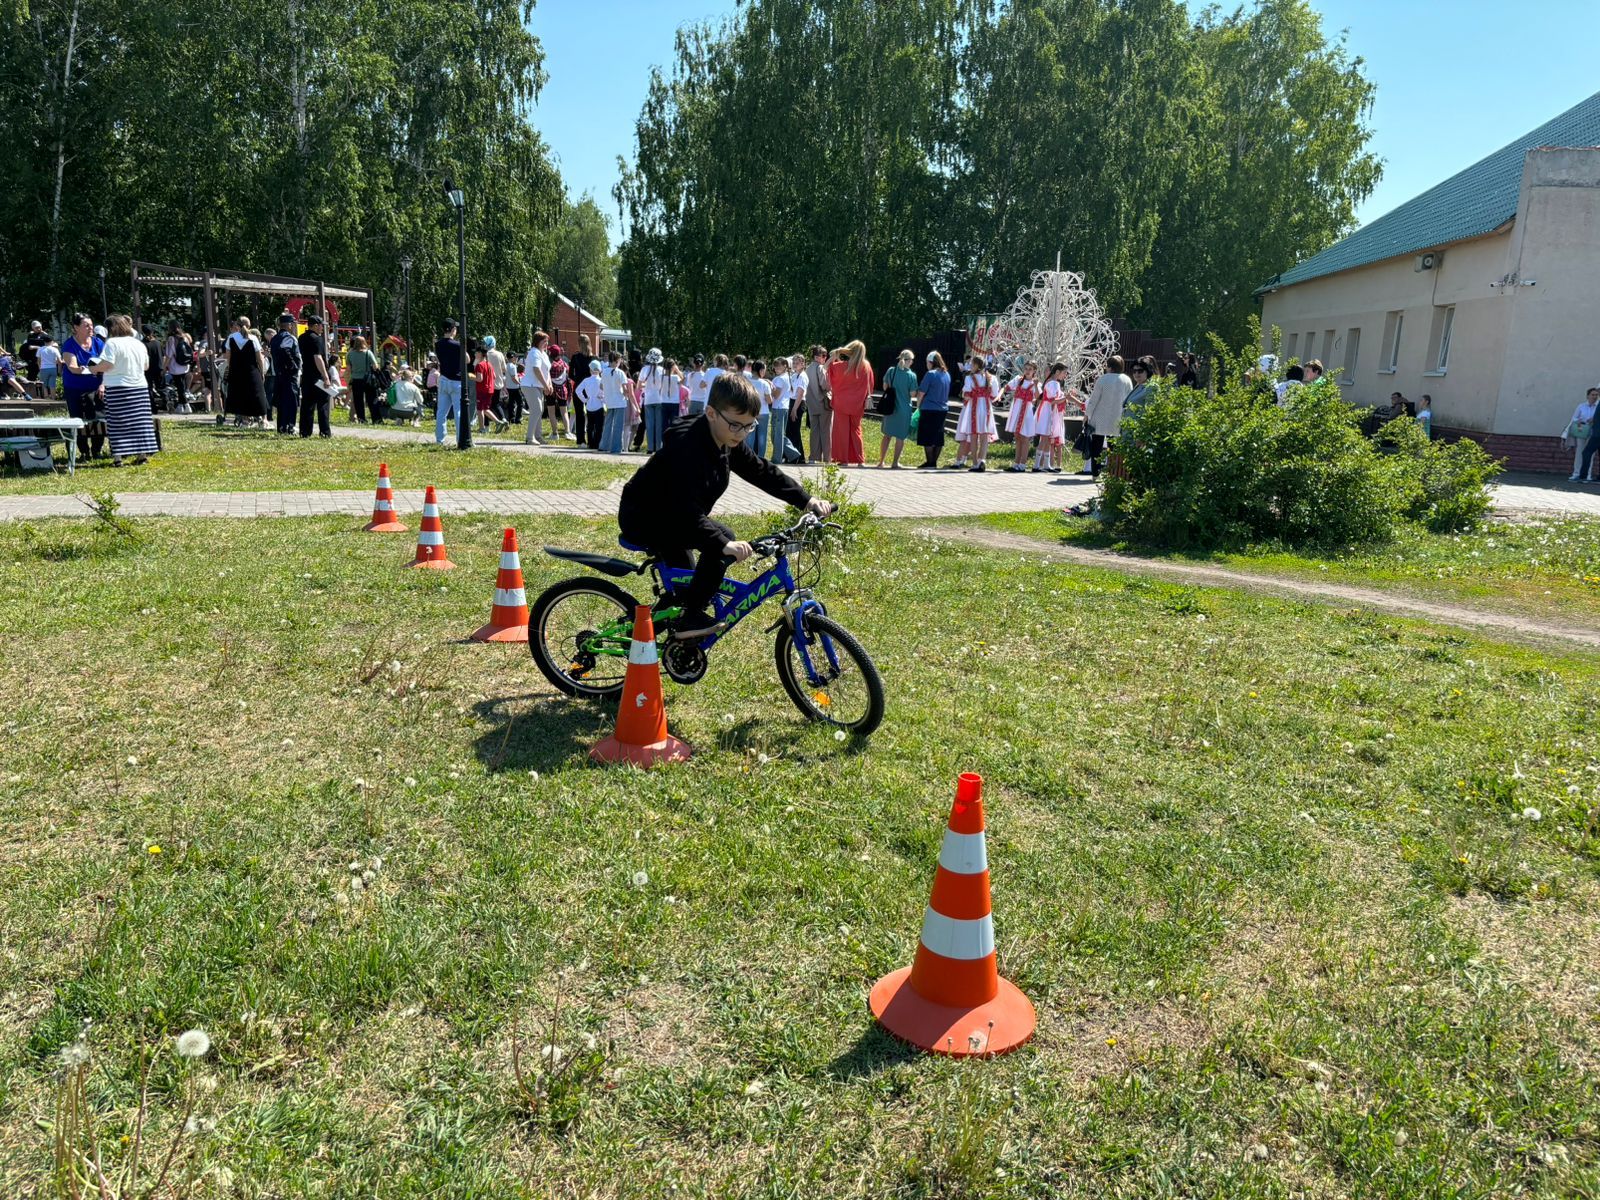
x,y
1545,566
208,458
1263,867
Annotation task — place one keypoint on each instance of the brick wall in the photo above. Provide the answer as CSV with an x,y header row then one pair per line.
x,y
1522,452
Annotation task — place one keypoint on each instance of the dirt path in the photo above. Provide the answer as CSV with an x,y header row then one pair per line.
x,y
1505,624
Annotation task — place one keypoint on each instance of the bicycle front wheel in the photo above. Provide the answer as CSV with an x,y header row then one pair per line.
x,y
842,686
579,632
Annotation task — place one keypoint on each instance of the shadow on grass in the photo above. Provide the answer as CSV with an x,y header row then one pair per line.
x,y
874,1051
538,732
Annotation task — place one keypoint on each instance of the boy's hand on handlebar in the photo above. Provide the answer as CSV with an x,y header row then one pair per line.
x,y
820,506
738,551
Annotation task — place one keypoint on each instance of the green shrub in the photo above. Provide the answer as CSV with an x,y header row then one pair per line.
x,y
1238,468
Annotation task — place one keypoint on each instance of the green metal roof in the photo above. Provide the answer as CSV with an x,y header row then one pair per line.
x,y
1468,204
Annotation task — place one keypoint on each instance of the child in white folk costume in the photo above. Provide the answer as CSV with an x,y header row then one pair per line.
x,y
1020,423
976,428
1050,426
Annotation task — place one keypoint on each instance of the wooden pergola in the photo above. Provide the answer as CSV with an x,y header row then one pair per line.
x,y
212,282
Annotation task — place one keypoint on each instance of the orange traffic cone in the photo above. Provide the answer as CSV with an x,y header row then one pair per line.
x,y
508,619
951,1000
430,538
383,515
641,736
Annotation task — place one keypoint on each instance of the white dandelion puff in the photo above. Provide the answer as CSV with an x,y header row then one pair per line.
x,y
355,866
640,878
367,877
193,1043
133,761
359,782
590,1042
1531,814
199,1126
762,759
977,1041
376,864
341,899
75,1055
411,781
754,1087
356,885
552,1054
838,735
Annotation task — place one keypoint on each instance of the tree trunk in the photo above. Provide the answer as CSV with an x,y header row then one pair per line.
x,y
58,124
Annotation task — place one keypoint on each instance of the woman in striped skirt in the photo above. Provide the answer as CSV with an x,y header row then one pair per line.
x,y
124,362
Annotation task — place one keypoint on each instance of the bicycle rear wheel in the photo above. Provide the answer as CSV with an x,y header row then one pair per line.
x,y
579,631
848,691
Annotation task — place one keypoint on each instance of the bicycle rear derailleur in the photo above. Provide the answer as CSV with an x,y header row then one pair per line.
x,y
685,661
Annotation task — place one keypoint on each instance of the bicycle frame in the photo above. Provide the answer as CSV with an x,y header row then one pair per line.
x,y
735,601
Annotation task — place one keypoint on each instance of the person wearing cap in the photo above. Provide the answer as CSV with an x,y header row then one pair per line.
x,y
30,348
659,398
536,385
286,365
589,399
316,394
501,405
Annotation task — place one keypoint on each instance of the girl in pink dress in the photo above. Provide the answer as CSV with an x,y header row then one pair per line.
x,y
976,428
1050,425
1024,392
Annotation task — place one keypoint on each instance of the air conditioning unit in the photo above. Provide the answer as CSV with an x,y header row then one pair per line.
x,y
1427,262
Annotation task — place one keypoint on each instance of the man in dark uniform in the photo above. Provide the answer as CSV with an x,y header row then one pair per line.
x,y
666,506
314,400
286,367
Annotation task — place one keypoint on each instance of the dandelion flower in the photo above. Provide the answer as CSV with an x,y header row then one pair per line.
x,y
376,864
838,735
288,741
132,761
590,1041
552,1054
411,781
533,775
754,1086
640,878
355,866
341,899
367,877
194,1043
762,760
977,1041
152,848
359,783
199,1126
1531,814
75,1055
356,885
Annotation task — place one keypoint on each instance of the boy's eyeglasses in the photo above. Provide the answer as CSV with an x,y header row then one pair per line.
x,y
736,426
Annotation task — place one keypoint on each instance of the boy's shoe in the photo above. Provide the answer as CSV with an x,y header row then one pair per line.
x,y
692,626
976,467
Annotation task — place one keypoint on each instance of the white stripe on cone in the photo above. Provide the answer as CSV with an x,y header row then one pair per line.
x,y
642,654
430,537
383,483
510,597
430,510
509,561
958,939
382,506
963,853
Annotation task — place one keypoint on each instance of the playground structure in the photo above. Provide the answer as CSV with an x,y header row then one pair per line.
x,y
298,294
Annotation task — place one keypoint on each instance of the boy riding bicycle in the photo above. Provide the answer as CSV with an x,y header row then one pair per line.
x,y
666,506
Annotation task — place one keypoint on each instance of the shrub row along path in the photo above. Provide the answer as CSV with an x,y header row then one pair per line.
x,y
1483,619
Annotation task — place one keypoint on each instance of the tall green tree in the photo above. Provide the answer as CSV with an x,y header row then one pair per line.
x,y
582,265
306,138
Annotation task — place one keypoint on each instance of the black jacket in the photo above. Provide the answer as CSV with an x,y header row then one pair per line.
x,y
672,495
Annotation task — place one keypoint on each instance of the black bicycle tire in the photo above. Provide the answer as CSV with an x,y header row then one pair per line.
x,y
536,643
846,640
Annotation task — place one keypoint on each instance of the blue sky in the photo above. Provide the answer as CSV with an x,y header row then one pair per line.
x,y
1455,81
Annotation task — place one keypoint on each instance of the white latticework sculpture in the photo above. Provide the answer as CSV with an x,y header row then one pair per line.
x,y
1055,319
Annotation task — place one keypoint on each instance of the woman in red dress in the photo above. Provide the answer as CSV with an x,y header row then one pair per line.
x,y
850,380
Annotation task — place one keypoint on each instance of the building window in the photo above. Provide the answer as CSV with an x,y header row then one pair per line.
x,y
1327,347
1444,319
1311,345
1290,345
1394,325
1352,351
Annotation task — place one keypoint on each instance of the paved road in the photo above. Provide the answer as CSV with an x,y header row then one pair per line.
x,y
903,493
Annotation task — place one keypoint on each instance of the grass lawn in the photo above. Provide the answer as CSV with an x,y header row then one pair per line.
x,y
205,458
1544,565
1262,867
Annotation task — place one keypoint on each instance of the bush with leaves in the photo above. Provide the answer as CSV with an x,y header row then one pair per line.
x,y
1237,469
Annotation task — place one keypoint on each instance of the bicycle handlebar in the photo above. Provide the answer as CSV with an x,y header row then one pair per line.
x,y
772,543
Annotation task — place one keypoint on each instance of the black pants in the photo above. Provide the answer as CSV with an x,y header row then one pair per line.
x,y
580,430
364,400
286,397
695,548
597,425
1590,449
313,402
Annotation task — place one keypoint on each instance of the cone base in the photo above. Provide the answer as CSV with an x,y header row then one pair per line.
x,y
669,749
433,564
383,527
501,633
943,1030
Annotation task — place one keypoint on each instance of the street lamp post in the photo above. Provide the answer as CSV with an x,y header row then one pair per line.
x,y
458,201
405,303
105,308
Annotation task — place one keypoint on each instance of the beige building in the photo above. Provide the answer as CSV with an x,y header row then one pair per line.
x,y
1483,292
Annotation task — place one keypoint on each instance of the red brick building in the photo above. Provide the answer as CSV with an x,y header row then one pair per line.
x,y
568,320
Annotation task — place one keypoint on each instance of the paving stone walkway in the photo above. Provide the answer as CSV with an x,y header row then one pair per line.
x,y
904,493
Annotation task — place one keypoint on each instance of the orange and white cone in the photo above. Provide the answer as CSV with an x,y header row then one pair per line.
x,y
431,552
641,736
951,1000
384,519
508,619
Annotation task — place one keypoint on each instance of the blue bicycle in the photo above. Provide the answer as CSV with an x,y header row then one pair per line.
x,y
580,629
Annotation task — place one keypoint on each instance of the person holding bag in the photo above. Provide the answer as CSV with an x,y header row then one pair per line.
x,y
899,381
1580,432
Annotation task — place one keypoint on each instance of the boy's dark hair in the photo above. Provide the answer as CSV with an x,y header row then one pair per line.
x,y
448,325
739,361
732,392
1115,365
1295,374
